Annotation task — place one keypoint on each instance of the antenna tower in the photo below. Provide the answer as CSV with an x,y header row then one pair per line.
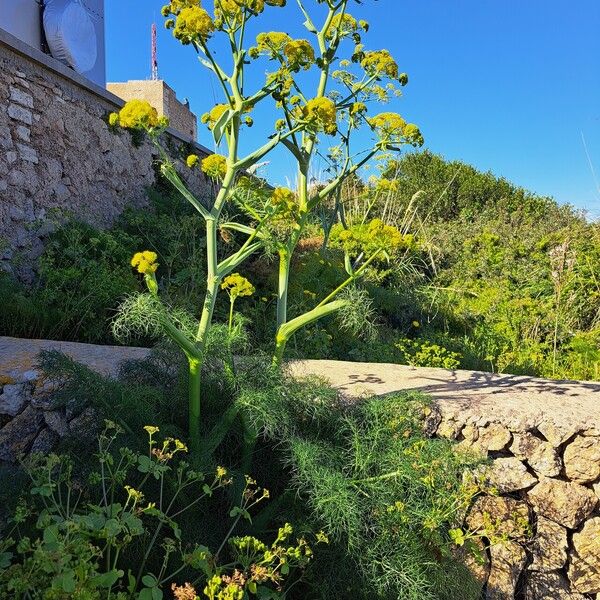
x,y
154,54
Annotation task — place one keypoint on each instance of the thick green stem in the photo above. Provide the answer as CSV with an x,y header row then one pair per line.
x,y
195,374
282,290
286,331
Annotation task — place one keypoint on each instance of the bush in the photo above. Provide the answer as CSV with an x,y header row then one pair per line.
x,y
123,535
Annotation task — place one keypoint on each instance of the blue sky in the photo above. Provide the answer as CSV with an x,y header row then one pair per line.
x,y
510,86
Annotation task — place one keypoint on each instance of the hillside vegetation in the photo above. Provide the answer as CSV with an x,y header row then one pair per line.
x,y
492,278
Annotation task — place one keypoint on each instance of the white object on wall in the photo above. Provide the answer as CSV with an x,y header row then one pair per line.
x,y
75,35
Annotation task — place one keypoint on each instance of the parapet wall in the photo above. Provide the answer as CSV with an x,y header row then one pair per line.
x,y
60,159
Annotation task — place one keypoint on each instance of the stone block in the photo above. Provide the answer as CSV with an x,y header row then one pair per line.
x,y
20,97
541,456
582,459
20,113
584,570
17,435
563,502
549,546
510,475
28,153
549,586
13,399
508,561
23,133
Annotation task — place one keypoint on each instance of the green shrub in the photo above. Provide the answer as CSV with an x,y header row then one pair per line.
x,y
123,535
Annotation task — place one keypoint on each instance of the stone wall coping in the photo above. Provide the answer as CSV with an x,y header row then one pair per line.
x,y
520,403
52,64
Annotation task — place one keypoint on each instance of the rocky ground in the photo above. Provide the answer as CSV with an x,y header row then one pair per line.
x,y
542,516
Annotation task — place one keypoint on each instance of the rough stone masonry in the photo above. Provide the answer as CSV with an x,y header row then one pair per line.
x,y
542,438
60,159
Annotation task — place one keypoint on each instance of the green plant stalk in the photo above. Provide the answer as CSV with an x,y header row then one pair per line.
x,y
326,307
287,330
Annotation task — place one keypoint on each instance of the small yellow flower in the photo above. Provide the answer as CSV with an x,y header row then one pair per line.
x,y
133,494
151,429
221,472
180,446
192,160
236,285
215,166
145,262
322,537
113,119
416,324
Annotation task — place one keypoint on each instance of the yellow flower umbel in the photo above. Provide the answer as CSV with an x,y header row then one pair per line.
x,y
235,285
137,114
299,54
145,263
344,24
380,63
284,201
391,129
192,160
320,114
192,24
215,166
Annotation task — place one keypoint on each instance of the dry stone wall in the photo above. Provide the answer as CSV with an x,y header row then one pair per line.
x,y
60,159
547,481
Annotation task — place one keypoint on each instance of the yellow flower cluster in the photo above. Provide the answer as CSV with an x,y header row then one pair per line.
x,y
320,114
272,42
344,24
369,238
393,129
358,108
145,262
380,63
299,54
193,24
137,114
192,160
215,166
284,200
214,114
236,286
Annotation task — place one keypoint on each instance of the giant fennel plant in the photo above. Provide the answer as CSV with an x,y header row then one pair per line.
x,y
317,96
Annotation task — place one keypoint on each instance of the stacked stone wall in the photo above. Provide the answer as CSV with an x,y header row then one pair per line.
x,y
540,521
60,159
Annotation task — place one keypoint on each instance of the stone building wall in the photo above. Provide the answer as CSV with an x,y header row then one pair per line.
x,y
60,159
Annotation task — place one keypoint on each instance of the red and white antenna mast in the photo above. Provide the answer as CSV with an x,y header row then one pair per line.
x,y
154,54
